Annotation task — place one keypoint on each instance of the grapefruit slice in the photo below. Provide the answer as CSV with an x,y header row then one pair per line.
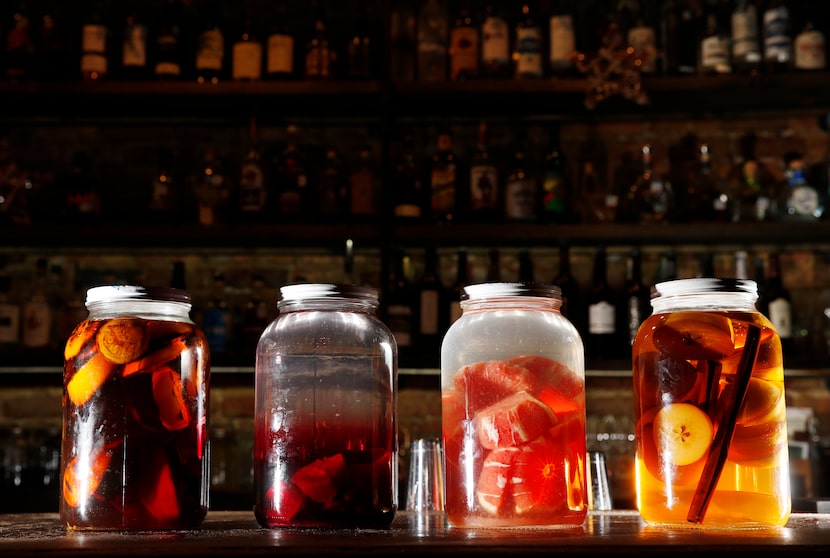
x,y
494,488
539,475
550,373
513,421
486,382
318,480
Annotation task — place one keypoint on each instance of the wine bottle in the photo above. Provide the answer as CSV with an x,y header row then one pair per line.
x,y
777,305
462,278
571,300
637,295
410,200
444,179
484,187
432,312
209,61
602,340
399,304
464,46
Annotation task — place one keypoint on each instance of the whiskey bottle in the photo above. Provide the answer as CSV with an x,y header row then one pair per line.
x,y
777,305
527,51
432,312
714,47
555,206
247,51
778,50
167,55
165,196
484,187
399,305
95,43
464,46
252,192
809,49
432,41
521,188
571,299
562,39
602,340
134,62
290,180
364,187
209,60
802,201
746,48
319,56
637,306
211,188
333,187
495,42
280,46
410,200
444,179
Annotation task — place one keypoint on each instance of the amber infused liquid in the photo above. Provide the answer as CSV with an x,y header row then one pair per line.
x,y
134,448
683,362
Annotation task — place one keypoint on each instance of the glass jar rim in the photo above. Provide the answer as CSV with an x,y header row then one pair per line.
x,y
113,293
481,291
704,285
317,291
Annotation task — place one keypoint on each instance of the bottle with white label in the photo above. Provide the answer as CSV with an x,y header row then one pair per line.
x,y
528,49
602,340
495,43
809,49
562,41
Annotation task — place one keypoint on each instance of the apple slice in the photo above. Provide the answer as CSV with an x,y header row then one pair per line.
x,y
696,335
682,433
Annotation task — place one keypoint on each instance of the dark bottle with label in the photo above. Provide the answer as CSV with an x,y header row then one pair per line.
x,y
777,305
134,62
555,193
444,179
333,187
521,191
211,188
637,295
209,61
19,35
527,52
96,43
746,46
484,189
280,46
714,45
168,43
432,41
464,47
562,51
778,48
319,55
572,307
252,194
602,341
410,200
680,37
432,312
398,306
291,178
495,42
247,50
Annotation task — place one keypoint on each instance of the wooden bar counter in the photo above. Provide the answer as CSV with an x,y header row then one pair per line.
x,y
236,533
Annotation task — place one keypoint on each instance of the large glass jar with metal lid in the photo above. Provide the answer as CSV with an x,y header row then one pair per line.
x,y
325,432
135,413
513,405
710,413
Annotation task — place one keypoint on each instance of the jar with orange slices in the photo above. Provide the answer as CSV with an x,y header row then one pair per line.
x,y
710,411
134,453
513,410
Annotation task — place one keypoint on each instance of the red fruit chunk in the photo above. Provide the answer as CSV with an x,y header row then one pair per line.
x,y
550,373
494,490
318,480
484,383
286,500
161,500
512,421
539,475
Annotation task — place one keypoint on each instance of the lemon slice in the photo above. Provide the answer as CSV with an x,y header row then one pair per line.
x,y
682,433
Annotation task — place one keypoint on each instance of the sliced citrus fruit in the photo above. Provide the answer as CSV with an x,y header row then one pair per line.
x,y
494,488
539,475
122,340
319,480
80,336
761,399
682,433
88,379
665,471
83,475
486,382
695,335
514,420
156,358
549,373
663,378
174,412
759,445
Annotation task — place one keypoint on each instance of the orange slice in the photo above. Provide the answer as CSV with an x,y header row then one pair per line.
x,y
682,433
695,336
122,340
156,358
82,334
80,481
167,393
89,378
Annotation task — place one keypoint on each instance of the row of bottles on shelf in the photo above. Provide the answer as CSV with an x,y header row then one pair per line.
x,y
420,292
211,40
422,179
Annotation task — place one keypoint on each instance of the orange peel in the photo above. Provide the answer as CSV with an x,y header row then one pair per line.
x,y
167,392
79,485
122,340
88,379
85,331
155,359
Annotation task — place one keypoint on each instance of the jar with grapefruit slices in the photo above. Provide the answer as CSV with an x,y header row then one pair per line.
x,y
513,410
710,412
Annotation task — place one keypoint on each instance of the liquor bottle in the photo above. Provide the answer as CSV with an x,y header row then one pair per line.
x,y
36,333
402,40
484,188
20,44
746,47
211,188
178,276
802,201
358,63
255,316
290,187
680,37
555,206
651,195
364,187
280,46
602,335
54,48
751,184
527,51
714,46
95,43
637,306
809,49
562,39
777,305
209,60
80,191
642,39
165,200
741,257
464,46
134,63
432,41
217,322
495,42
521,188
319,56
252,194
462,278
333,187
410,201
169,47
444,179
711,188
246,51
778,50
399,305
571,298
432,312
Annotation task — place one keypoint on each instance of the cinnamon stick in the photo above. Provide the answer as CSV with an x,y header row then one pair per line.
x,y
726,410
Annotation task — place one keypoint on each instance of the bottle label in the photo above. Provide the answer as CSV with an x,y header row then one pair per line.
x,y
780,314
37,323
803,202
317,62
641,39
134,52
553,202
94,39
443,188
429,312
251,188
809,51
745,35
9,323
463,51
529,51
484,181
777,46
714,54
562,41
495,41
247,61
280,54
520,199
601,318
211,50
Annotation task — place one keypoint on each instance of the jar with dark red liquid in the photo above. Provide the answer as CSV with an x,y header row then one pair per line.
x,y
326,445
135,413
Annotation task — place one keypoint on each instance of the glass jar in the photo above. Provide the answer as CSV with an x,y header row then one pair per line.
x,y
325,432
135,410
710,412
513,405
